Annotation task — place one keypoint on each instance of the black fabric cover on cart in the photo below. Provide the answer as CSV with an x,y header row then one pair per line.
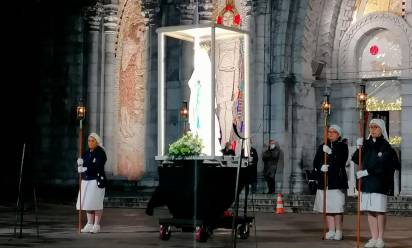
x,y
194,190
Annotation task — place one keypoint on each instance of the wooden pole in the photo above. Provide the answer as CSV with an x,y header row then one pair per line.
x,y
362,107
359,183
80,177
326,111
325,175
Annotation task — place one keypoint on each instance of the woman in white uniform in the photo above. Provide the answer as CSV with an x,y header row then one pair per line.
x,y
379,162
337,183
91,167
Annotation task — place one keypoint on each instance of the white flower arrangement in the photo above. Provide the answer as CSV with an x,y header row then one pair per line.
x,y
188,145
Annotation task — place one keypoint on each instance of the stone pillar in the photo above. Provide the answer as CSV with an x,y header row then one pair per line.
x,y
302,128
345,110
408,11
259,82
406,133
110,105
93,20
278,128
187,12
345,113
149,9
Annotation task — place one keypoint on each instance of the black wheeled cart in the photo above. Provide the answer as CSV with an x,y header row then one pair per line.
x,y
198,192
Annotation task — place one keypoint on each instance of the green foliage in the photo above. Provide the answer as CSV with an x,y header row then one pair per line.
x,y
188,145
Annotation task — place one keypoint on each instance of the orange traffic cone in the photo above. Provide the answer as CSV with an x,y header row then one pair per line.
x,y
279,205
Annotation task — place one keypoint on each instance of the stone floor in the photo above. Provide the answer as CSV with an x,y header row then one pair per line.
x,y
123,227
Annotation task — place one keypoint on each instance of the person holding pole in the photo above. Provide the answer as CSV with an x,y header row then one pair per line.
x,y
91,196
337,181
379,161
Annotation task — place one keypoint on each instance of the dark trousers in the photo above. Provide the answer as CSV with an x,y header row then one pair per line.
x,y
271,185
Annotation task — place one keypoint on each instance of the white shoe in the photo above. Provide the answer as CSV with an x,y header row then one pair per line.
x,y
338,235
371,243
379,243
95,229
330,235
87,228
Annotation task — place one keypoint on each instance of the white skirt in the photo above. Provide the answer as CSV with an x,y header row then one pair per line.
x,y
373,202
92,196
335,201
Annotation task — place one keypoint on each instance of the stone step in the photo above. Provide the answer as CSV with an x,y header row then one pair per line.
x,y
400,205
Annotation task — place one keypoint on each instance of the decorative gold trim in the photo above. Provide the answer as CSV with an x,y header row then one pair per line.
x,y
373,104
395,140
232,10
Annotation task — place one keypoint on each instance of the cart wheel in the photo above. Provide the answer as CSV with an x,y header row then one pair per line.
x,y
202,233
243,231
165,232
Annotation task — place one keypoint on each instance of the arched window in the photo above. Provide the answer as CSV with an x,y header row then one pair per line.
x,y
380,64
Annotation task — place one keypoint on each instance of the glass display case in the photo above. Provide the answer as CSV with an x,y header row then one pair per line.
x,y
219,85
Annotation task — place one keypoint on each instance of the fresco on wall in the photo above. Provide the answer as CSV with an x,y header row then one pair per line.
x,y
130,129
366,7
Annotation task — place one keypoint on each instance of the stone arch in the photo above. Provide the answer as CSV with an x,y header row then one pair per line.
x,y
348,64
348,72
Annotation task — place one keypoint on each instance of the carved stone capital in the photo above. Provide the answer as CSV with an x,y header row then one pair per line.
x,y
93,16
276,78
110,17
205,11
149,10
260,7
187,11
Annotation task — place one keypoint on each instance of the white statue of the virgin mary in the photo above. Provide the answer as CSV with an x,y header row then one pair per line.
x,y
200,106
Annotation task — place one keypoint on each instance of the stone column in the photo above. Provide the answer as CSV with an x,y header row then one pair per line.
x,y
345,110
93,20
345,113
110,105
408,11
187,16
259,82
277,126
302,127
187,11
406,133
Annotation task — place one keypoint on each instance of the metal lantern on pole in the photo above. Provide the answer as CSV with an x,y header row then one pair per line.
x,y
362,97
81,114
326,112
184,113
81,111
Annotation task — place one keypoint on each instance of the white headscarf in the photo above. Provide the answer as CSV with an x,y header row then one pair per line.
x,y
382,125
337,128
97,138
